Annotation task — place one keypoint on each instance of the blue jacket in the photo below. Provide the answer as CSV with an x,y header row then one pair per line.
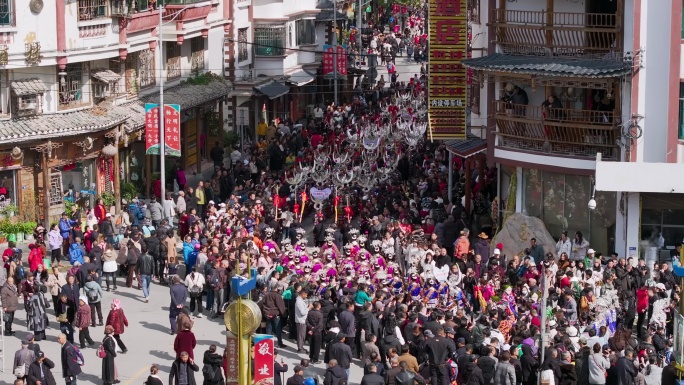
x,y
65,227
187,249
191,260
75,253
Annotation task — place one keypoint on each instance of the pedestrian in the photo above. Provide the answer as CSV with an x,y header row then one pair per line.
x,y
118,321
301,312
94,295
213,365
179,294
334,374
65,316
195,284
273,310
109,373
341,353
279,367
131,262
36,312
185,340
372,378
82,322
23,358
55,241
183,369
40,371
315,326
10,301
70,366
32,343
153,378
145,269
297,378
109,265
505,372
54,283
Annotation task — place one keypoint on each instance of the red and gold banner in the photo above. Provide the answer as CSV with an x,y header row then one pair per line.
x,y
263,361
447,81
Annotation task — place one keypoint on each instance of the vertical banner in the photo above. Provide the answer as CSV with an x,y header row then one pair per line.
x,y
232,357
151,129
448,77
263,361
329,57
172,122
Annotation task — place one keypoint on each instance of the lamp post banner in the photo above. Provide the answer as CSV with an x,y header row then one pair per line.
x,y
172,122
151,129
263,361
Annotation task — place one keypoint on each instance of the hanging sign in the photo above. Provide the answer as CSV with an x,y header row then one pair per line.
x,y
263,361
172,122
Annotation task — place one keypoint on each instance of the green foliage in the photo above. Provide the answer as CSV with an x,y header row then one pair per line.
x,y
29,227
230,139
107,199
203,79
9,210
69,208
128,190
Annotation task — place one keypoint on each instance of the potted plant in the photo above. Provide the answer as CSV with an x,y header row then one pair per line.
x,y
9,211
18,231
3,230
10,230
108,201
28,230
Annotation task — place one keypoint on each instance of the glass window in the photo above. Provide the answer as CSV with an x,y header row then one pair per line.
x,y
243,52
197,53
6,12
91,9
146,68
269,40
672,217
651,217
306,32
673,235
681,110
173,60
70,82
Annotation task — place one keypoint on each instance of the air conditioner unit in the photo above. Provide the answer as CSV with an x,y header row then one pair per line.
x,y
27,104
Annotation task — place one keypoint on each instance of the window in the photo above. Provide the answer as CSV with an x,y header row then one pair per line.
x,y
173,60
139,71
197,53
139,5
243,52
27,105
681,111
269,40
306,32
474,11
70,83
91,9
6,12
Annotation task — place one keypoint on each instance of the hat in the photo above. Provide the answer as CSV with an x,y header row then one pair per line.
x,y
474,357
30,337
222,204
449,330
499,246
591,251
24,342
428,333
298,368
482,235
83,298
212,203
108,215
460,340
552,323
497,252
572,331
40,354
583,340
198,246
660,286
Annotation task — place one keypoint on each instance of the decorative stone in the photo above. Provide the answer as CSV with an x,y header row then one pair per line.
x,y
516,232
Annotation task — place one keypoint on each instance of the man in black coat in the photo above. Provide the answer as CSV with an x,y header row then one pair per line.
x,y
72,290
335,374
179,294
215,361
70,369
488,365
183,363
40,370
341,352
315,325
372,378
278,368
348,325
626,371
297,378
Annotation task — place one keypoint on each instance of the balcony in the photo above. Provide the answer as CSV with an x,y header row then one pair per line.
x,y
557,132
556,33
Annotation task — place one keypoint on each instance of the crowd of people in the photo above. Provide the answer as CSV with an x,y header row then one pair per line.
x,y
396,284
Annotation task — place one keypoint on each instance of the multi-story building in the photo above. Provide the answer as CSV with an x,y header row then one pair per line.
x,y
74,77
563,81
274,61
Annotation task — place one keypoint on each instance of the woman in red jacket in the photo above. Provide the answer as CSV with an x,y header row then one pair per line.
x,y
642,308
185,341
35,258
117,320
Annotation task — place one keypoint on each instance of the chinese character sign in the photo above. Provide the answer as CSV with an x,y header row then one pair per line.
x,y
172,123
151,128
263,361
232,357
329,57
448,77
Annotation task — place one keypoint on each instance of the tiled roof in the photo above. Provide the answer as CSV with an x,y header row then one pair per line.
x,y
301,77
105,75
191,95
31,86
466,147
540,65
272,89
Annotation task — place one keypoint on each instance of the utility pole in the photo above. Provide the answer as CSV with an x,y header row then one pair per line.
x,y
359,16
335,50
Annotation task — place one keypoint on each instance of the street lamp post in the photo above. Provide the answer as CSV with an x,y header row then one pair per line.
x,y
160,106
335,50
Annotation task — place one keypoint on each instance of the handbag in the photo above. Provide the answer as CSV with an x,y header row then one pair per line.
x,y
547,377
62,318
20,371
101,352
5,317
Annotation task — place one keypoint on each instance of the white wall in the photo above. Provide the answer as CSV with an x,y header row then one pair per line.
x,y
213,57
654,80
32,27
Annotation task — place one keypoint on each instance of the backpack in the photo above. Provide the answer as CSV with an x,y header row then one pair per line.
x,y
92,295
19,272
214,279
208,372
80,360
439,214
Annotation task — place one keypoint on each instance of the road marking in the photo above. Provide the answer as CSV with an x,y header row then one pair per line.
x,y
136,375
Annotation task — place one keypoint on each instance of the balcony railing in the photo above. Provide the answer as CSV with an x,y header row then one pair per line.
x,y
557,131
556,33
173,67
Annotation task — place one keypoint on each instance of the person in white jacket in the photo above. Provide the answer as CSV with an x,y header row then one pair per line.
x,y
564,245
195,284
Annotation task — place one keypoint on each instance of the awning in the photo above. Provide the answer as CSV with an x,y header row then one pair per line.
x,y
272,89
31,86
243,93
300,78
549,66
105,75
331,76
466,147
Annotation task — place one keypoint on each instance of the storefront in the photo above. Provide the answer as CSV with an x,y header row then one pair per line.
x,y
560,200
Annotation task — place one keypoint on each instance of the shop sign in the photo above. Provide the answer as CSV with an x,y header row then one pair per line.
x,y
172,122
7,161
329,57
263,361
448,77
232,358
